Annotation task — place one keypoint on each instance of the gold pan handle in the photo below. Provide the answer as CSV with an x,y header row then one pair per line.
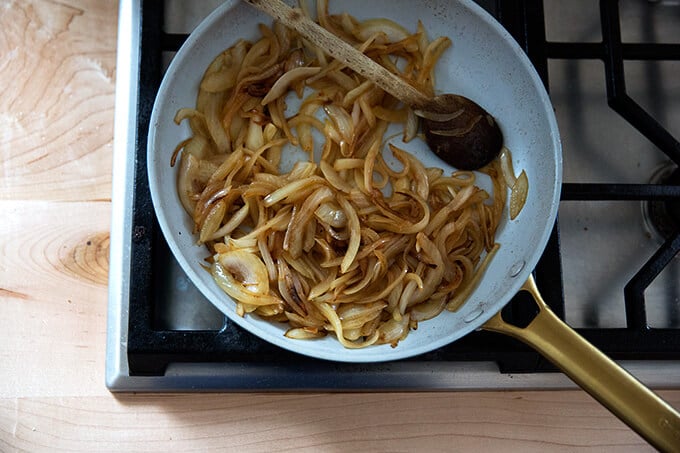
x,y
626,397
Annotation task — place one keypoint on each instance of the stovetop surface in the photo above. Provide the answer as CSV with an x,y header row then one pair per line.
x,y
606,270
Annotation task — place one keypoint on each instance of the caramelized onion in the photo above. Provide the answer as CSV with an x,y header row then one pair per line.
x,y
341,242
390,29
243,276
281,85
186,178
295,233
330,213
518,196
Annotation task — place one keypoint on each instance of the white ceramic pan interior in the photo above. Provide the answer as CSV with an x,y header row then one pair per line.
x,y
484,63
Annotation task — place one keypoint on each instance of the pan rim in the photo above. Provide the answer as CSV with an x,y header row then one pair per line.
x,y
374,353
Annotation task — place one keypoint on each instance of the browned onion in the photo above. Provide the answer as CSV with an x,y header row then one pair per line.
x,y
340,244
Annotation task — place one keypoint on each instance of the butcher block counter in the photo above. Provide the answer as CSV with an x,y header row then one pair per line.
x,y
57,79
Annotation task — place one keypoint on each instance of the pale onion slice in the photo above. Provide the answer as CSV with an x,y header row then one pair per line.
x,y
334,178
331,214
254,137
353,316
439,117
267,257
506,167
185,113
423,39
373,270
288,289
234,222
231,163
417,170
187,174
304,333
254,55
393,31
293,191
220,81
518,195
428,309
199,147
367,110
244,244
416,292
294,238
354,234
460,200
213,108
434,50
390,115
342,121
301,170
336,325
411,127
352,95
247,269
462,295
323,286
212,221
392,222
243,276
312,322
282,84
393,331
270,311
369,165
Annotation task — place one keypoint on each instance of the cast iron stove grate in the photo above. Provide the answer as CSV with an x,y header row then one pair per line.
x,y
151,348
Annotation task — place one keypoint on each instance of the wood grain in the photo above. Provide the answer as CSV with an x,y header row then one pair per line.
x,y
56,112
57,62
53,299
494,421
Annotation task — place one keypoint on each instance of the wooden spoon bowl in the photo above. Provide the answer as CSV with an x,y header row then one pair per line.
x,y
469,139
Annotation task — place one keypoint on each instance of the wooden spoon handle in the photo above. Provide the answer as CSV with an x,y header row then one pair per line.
x,y
344,52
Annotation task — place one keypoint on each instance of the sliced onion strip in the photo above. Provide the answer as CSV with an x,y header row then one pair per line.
x,y
282,84
347,240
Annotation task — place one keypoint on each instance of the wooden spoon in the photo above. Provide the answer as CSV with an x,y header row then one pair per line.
x,y
456,128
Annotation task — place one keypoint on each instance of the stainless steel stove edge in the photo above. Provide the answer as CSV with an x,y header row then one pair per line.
x,y
127,72
387,377
321,376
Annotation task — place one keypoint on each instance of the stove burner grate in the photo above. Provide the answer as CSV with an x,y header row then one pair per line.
x,y
150,349
662,217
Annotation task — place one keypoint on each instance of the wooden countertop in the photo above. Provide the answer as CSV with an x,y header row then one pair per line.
x,y
57,73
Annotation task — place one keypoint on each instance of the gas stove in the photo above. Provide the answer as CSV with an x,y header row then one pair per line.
x,y
611,268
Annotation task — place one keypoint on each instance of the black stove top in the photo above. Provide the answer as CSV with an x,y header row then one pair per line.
x,y
152,344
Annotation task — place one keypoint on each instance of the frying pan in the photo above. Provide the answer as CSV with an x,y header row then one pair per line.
x,y
486,65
